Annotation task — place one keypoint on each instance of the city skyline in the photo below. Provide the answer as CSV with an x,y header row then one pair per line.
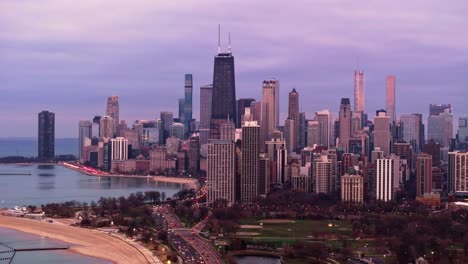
x,y
75,68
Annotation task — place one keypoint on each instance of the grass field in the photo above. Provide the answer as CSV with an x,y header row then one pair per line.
x,y
300,229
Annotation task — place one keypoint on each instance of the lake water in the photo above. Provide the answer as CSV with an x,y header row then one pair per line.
x,y
257,260
27,147
53,183
20,240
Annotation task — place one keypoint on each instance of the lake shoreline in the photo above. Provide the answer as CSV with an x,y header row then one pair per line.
x,y
87,242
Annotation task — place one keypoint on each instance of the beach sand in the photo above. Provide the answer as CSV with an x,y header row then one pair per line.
x,y
82,241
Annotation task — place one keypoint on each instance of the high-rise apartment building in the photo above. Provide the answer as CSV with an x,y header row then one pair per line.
x,y
188,92
293,114
249,180
84,131
112,110
359,91
270,108
388,177
46,135
423,174
382,132
345,123
223,105
352,188
221,171
242,103
390,98
458,173
322,174
119,148
264,174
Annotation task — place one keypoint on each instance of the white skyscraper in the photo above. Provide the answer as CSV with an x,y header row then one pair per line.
x,y
388,178
119,149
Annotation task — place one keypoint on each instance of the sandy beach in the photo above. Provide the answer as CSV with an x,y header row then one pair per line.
x,y
82,241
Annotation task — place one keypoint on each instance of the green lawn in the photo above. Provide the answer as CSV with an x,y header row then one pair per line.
x,y
300,229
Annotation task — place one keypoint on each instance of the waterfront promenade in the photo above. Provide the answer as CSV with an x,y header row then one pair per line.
x,y
191,183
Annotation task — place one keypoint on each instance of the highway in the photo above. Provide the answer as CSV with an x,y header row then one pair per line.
x,y
188,243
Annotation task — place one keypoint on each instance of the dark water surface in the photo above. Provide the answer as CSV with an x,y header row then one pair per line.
x,y
53,183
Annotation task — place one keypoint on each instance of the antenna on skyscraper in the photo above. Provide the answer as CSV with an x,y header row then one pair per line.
x,y
219,38
229,48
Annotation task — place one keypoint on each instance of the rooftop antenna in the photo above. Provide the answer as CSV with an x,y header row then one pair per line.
x,y
229,48
219,38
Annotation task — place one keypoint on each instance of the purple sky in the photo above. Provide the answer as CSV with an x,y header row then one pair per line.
x,y
67,56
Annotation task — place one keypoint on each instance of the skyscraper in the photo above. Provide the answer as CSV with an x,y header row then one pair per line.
x,y
458,172
293,114
85,131
249,180
46,135
166,122
423,174
345,123
313,133
289,134
224,93
241,105
302,130
112,110
462,133
270,108
382,132
410,125
106,126
188,103
359,91
221,171
322,174
390,98
119,148
437,109
352,188
440,127
324,118
387,176
206,93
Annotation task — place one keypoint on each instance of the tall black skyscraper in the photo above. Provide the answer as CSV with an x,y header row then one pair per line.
x,y
46,135
224,92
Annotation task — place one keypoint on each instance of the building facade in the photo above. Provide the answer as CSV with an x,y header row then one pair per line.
x,y
46,135
221,171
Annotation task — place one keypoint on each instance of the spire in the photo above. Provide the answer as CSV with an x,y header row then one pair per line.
x,y
219,38
229,48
